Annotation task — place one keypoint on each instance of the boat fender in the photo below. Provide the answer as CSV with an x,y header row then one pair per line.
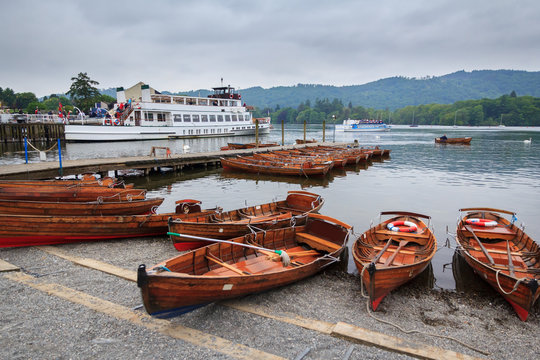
x,y
482,222
402,226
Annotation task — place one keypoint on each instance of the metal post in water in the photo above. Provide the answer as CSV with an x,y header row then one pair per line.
x,y
305,131
282,132
257,132
26,149
323,130
60,158
334,121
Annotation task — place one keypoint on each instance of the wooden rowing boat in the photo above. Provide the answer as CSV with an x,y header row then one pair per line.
x,y
463,140
69,193
307,141
76,208
85,181
502,254
386,258
234,223
222,270
31,230
300,158
306,169
236,146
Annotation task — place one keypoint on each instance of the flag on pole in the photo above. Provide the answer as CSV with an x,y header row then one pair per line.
x,y
60,112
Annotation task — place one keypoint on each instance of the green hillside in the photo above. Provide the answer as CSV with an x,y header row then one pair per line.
x,y
398,92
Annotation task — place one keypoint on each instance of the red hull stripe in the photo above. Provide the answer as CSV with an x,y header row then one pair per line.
x,y
189,245
521,312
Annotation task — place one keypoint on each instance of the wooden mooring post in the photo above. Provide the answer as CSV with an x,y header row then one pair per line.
x,y
32,131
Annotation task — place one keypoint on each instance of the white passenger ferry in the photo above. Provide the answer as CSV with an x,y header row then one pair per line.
x,y
351,125
153,116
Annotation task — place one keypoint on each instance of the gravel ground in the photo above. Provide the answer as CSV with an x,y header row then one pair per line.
x,y
37,325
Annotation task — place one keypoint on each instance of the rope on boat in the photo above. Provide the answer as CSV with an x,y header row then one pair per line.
x,y
409,331
515,285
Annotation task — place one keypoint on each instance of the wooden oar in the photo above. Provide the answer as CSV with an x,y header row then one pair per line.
x,y
285,259
510,263
481,245
225,265
390,260
378,256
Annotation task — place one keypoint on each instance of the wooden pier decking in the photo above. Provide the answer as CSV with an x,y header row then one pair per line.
x,y
50,169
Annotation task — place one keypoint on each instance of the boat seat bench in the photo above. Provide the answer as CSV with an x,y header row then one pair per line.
x,y
317,242
257,265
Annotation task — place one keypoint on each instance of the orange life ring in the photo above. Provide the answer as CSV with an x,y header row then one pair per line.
x,y
481,222
402,226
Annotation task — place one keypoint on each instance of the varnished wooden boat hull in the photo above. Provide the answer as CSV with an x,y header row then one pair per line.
x,y
194,280
380,279
30,230
463,141
524,252
230,224
91,181
274,168
28,207
65,194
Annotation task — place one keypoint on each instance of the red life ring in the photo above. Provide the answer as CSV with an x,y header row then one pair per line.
x,y
108,122
481,222
402,226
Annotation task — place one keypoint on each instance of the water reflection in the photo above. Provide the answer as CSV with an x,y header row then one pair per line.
x,y
466,279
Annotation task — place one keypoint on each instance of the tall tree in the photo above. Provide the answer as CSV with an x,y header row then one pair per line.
x,y
83,92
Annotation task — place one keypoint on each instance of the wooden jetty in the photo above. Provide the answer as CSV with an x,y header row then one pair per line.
x,y
177,162
32,131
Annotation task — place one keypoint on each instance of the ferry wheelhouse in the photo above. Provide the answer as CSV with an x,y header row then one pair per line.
x,y
159,116
362,125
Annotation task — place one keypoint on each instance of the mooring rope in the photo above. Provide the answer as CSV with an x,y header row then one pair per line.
x,y
515,285
409,331
32,146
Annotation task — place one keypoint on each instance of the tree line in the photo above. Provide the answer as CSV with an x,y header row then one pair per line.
x,y
511,110
82,94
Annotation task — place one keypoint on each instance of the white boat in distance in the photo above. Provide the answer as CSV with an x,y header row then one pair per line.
x,y
351,125
159,116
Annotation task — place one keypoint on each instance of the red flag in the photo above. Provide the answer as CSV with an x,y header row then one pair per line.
x,y
60,113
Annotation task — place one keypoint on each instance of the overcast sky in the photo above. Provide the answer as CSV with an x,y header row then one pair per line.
x,y
187,45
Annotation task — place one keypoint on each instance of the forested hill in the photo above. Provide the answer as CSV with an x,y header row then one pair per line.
x,y
397,92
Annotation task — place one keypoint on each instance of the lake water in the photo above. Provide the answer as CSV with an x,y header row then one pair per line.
x,y
497,170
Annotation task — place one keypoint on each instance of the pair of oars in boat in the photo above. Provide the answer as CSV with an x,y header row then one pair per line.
x,y
283,256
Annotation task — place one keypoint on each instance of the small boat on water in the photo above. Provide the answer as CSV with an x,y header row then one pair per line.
x,y
234,223
306,169
236,146
363,125
32,230
307,141
300,157
55,193
393,252
462,140
79,208
245,265
502,254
